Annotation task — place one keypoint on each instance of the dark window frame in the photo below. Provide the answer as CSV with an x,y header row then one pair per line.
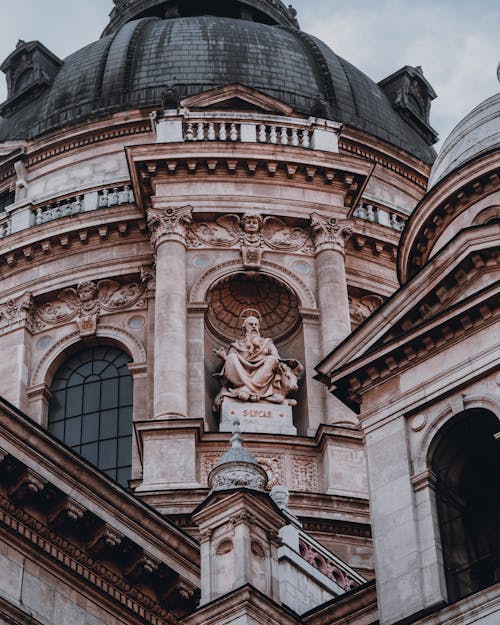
x,y
91,408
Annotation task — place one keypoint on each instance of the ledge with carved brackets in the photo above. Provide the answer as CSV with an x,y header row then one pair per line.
x,y
71,519
156,164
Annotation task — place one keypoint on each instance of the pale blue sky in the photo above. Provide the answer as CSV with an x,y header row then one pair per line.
x,y
456,41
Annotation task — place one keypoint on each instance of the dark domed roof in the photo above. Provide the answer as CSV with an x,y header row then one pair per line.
x,y
133,67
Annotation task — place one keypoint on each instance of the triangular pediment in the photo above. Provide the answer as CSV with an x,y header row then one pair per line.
x,y
236,96
458,278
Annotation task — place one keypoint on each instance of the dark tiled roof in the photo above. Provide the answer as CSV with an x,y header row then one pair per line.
x,y
133,67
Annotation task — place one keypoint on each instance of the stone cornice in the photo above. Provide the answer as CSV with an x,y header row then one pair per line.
x,y
461,256
156,163
100,496
349,383
37,243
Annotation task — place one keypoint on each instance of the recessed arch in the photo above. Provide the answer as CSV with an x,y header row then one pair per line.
x,y
213,275
465,463
487,402
62,348
91,407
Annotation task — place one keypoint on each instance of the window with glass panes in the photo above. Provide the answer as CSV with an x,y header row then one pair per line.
x,y
91,408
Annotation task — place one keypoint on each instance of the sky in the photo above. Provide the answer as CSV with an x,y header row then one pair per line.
x,y
457,42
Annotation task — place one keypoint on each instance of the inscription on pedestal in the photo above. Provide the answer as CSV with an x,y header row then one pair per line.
x,y
261,417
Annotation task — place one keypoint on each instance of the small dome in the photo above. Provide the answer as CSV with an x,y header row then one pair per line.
x,y
477,133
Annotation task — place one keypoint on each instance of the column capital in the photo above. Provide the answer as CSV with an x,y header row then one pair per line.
x,y
170,224
330,233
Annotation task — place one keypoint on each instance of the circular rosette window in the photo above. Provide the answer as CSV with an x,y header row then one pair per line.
x,y
234,298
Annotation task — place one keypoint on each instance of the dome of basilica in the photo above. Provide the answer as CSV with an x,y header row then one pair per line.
x,y
476,134
152,46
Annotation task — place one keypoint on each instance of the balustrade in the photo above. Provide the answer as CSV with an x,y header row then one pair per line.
x,y
378,215
211,131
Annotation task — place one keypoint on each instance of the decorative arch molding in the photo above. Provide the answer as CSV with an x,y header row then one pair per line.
x,y
123,339
488,401
487,215
207,279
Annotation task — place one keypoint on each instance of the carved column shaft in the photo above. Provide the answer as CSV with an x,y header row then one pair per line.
x,y
329,237
170,344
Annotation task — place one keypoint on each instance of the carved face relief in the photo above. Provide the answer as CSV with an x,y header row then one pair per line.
x,y
251,223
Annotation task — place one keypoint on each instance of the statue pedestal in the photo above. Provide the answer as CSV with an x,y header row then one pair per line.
x,y
259,418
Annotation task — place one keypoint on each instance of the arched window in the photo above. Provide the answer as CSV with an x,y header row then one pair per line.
x,y
466,461
91,408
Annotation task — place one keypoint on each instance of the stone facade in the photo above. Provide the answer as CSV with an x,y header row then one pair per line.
x,y
157,232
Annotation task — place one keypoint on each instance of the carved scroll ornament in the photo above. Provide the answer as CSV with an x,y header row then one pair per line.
x,y
171,224
252,233
330,233
85,303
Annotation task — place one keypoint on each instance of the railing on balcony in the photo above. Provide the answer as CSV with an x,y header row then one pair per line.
x,y
5,225
190,127
378,215
26,214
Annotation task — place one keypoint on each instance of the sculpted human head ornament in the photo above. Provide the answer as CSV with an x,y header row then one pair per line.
x,y
251,222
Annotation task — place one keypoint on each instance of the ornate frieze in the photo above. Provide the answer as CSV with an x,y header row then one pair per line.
x,y
330,233
16,310
171,224
252,234
83,304
298,473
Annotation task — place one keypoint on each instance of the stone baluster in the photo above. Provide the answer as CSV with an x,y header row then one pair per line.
x,y
284,135
274,135
329,236
211,132
200,131
222,132
168,236
262,133
306,139
233,133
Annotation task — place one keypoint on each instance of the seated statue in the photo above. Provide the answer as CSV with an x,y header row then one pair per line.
x,y
253,370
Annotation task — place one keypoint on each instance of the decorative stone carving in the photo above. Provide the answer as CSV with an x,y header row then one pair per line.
x,y
330,233
363,307
305,474
16,310
324,564
237,468
171,224
253,370
228,299
253,234
273,465
281,496
86,302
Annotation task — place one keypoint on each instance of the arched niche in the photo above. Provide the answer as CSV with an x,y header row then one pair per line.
x,y
464,458
278,306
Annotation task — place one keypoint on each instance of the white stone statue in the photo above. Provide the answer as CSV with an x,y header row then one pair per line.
x,y
253,370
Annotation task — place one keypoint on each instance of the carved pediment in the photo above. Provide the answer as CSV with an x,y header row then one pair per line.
x,y
239,97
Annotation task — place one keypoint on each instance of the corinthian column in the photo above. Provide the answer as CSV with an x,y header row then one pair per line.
x,y
168,236
329,236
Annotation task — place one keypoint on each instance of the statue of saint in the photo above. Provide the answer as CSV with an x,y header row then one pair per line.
x,y
253,370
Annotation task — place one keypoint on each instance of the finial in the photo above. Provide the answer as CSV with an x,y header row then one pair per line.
x,y
236,440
